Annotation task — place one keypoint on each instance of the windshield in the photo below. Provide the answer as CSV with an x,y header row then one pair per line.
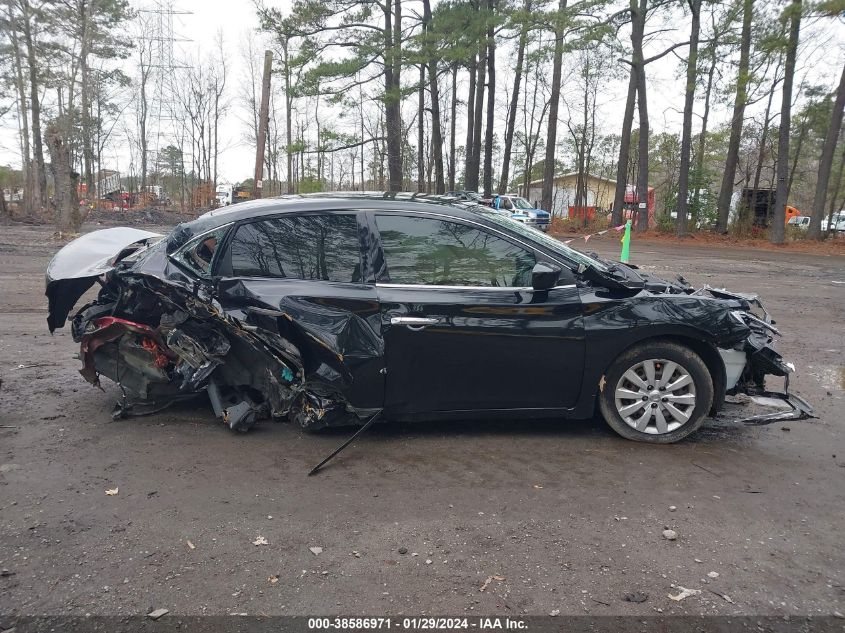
x,y
521,203
538,236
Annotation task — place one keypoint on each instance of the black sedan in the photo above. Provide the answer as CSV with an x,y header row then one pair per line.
x,y
333,309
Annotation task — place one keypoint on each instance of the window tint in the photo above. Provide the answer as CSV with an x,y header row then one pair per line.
x,y
199,253
438,252
321,247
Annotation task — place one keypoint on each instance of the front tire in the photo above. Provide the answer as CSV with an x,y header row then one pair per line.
x,y
658,392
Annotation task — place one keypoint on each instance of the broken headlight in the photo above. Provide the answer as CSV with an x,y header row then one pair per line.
x,y
755,323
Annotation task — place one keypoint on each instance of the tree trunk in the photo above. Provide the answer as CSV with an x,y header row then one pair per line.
x,y
517,81
799,145
392,92
361,115
39,196
826,162
142,124
65,202
436,124
452,123
546,201
834,198
702,138
288,117
20,86
732,159
85,72
491,101
637,34
779,216
421,131
473,72
474,167
686,136
624,150
761,151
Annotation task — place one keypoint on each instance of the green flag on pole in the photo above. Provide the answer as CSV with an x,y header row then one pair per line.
x,y
626,243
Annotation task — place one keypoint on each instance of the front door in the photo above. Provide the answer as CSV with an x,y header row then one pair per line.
x,y
463,329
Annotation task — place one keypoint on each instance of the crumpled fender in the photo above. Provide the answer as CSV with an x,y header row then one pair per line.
x,y
73,270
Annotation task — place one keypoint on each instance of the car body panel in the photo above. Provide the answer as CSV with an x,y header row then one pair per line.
x,y
73,270
337,323
487,348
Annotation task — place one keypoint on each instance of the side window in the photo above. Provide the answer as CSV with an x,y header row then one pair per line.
x,y
426,251
198,254
324,247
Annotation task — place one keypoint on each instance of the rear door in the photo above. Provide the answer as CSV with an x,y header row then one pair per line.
x,y
463,329
299,276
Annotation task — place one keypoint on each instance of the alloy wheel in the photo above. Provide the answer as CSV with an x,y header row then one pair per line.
x,y
655,396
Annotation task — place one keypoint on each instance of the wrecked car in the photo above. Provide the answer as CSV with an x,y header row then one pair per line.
x,y
331,310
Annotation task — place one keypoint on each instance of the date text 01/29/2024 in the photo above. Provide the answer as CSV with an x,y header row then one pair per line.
x,y
410,623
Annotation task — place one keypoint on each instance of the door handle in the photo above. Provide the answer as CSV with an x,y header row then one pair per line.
x,y
414,323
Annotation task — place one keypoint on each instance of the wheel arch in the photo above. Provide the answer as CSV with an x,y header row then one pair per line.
x,y
706,351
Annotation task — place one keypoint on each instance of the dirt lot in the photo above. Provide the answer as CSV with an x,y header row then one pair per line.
x,y
562,515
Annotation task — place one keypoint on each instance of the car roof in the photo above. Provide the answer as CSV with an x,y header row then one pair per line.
x,y
291,203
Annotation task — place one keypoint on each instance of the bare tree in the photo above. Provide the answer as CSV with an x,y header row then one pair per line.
x,y
434,91
491,99
29,15
551,131
779,215
145,58
689,99
217,85
826,161
737,119
514,104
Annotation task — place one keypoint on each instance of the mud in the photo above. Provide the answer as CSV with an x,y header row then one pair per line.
x,y
568,513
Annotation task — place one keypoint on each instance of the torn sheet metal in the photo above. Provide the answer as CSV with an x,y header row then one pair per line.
x,y
786,406
162,336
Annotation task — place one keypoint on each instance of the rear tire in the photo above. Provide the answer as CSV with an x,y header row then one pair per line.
x,y
658,392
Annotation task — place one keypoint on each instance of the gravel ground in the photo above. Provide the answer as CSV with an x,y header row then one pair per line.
x,y
500,518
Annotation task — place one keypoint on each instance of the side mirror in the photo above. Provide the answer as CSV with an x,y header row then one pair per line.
x,y
544,276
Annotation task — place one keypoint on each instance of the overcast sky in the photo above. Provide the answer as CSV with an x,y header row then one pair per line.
x,y
823,53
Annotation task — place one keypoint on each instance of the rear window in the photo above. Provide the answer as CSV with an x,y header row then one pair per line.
x,y
320,247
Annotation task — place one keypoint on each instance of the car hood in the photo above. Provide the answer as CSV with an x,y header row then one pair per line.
x,y
532,213
77,265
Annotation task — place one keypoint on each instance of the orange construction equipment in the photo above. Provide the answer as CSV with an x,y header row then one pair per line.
x,y
791,212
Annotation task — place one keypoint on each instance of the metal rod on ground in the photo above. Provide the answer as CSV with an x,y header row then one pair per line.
x,y
263,122
367,425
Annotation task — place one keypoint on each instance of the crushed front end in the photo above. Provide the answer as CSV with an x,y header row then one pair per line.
x,y
751,360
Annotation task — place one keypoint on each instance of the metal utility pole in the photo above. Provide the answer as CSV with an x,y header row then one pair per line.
x,y
263,121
